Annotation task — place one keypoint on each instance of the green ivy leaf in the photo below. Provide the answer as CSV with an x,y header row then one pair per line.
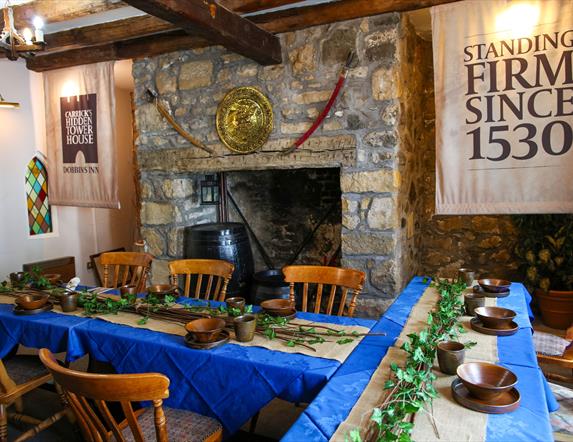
x,y
344,341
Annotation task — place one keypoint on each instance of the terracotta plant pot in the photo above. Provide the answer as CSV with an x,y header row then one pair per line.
x,y
556,308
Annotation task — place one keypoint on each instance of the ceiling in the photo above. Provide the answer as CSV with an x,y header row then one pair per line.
x,y
88,31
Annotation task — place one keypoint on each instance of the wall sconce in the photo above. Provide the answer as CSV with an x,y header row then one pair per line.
x,y
209,190
8,104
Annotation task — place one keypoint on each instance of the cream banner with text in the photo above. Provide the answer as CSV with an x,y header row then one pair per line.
x,y
503,74
80,136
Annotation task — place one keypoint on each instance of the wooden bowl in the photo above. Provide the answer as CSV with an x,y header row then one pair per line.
x,y
32,302
53,278
494,285
486,381
160,291
280,307
495,317
205,330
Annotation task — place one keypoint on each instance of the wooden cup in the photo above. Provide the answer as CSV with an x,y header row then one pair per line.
x,y
473,301
69,302
451,355
236,302
245,327
467,276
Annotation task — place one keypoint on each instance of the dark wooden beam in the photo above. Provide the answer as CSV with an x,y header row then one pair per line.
x,y
135,31
299,18
135,48
119,30
217,24
53,11
246,6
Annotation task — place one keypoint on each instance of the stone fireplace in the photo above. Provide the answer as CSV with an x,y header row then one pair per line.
x,y
368,141
283,208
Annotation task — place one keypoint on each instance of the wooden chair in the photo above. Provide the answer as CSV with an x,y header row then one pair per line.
x,y
90,394
126,268
193,270
340,281
19,375
555,355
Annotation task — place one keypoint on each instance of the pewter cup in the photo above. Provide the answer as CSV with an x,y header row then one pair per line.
x,y
473,301
466,275
69,302
245,327
450,356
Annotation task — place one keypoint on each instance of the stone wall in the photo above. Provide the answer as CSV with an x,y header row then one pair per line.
x,y
416,134
361,136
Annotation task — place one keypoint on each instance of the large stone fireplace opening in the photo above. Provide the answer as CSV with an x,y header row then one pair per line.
x,y
295,214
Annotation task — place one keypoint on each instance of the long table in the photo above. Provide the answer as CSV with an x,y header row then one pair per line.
x,y
231,383
530,422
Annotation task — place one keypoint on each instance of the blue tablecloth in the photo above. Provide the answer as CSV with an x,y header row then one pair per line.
x,y
230,383
530,422
52,330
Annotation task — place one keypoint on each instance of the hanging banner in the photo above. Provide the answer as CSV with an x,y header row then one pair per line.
x,y
503,74
80,125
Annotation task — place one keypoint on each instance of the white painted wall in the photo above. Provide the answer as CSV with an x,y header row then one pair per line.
x,y
79,232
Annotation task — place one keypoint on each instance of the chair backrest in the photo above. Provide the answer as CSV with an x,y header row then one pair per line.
x,y
89,394
121,268
340,280
217,276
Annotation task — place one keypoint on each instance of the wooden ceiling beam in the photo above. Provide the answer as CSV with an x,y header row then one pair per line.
x,y
128,49
128,38
246,6
109,32
217,24
299,18
54,11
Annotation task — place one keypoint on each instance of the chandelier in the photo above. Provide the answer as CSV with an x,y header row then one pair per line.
x,y
22,44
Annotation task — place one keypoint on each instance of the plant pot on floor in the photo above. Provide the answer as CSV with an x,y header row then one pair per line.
x,y
556,308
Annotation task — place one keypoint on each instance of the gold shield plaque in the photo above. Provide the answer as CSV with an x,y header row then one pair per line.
x,y
244,119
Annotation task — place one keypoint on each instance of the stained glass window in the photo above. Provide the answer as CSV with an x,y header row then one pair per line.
x,y
39,211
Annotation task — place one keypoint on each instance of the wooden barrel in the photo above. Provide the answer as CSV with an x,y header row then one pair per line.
x,y
227,241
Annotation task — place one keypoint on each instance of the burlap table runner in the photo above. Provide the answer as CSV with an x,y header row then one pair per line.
x,y
452,421
327,350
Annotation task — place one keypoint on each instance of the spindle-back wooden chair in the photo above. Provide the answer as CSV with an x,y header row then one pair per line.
x,y
555,354
121,268
19,375
90,394
341,281
217,274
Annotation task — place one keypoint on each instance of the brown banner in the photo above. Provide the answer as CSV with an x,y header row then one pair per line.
x,y
80,125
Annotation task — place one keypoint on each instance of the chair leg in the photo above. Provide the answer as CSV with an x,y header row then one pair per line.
x,y
3,424
41,426
254,421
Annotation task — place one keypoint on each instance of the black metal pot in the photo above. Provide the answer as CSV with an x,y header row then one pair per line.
x,y
269,284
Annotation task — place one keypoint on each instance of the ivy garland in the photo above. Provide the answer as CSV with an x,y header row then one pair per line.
x,y
411,386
